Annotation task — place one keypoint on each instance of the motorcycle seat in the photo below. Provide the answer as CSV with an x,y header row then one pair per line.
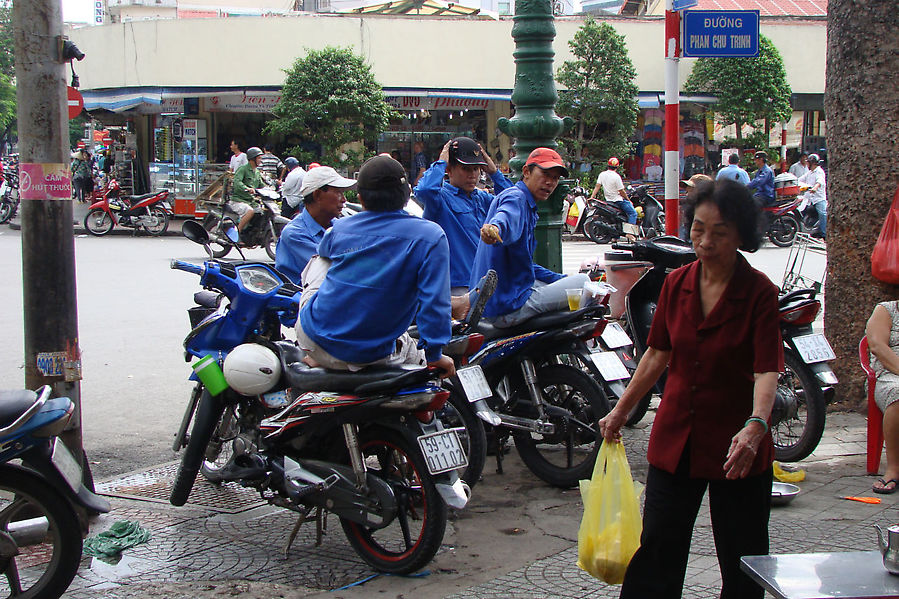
x,y
140,198
14,403
370,380
541,322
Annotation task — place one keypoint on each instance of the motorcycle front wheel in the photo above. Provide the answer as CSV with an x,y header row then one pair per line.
x,y
209,413
414,535
41,522
219,450
598,230
6,211
212,224
782,231
797,429
566,455
162,221
457,413
98,222
270,243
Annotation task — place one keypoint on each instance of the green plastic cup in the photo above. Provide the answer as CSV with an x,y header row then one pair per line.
x,y
210,374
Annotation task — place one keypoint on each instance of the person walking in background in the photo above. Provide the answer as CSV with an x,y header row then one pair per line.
x,y
82,178
883,345
271,165
290,188
800,167
763,181
419,162
612,187
238,158
817,193
716,330
733,171
457,205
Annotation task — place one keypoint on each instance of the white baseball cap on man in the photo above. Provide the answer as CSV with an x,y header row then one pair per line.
x,y
320,176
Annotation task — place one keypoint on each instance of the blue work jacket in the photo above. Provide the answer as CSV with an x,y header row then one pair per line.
x,y
298,243
459,214
763,183
386,268
514,212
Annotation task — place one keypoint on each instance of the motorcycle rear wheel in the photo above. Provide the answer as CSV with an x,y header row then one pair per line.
x,y
782,231
270,243
568,455
48,563
209,412
597,230
6,211
162,221
457,413
97,222
795,438
412,539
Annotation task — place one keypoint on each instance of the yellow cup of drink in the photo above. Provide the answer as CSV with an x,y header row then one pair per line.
x,y
574,299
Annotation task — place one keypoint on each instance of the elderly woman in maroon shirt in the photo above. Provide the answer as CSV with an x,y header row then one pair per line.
x,y
716,330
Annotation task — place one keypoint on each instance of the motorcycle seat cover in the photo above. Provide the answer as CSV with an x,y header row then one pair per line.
x,y
135,199
541,322
301,377
14,403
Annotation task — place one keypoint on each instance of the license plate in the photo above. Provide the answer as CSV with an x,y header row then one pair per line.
x,y
610,366
614,336
443,451
814,348
474,383
66,464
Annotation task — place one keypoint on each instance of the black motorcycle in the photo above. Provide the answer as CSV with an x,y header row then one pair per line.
x,y
605,221
263,231
9,190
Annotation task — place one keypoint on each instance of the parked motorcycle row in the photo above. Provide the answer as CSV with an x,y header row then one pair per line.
x,y
602,222
9,188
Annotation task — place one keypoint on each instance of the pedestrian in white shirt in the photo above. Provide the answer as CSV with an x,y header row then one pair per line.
x,y
290,189
800,168
817,193
238,159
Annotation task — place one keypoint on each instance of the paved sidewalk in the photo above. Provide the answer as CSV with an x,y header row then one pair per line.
x,y
517,538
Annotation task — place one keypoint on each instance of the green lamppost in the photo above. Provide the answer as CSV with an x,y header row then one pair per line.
x,y
535,123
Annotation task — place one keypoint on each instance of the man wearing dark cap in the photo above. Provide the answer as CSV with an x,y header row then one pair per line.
x,y
457,205
524,288
763,181
386,267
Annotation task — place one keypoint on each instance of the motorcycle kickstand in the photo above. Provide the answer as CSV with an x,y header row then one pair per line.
x,y
302,519
500,450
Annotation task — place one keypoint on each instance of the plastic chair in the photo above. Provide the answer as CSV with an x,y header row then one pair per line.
x,y
875,416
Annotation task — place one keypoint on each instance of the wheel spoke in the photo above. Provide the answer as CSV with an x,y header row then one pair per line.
x,y
403,517
12,576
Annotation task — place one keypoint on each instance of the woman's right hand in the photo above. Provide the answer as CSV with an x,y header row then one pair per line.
x,y
610,425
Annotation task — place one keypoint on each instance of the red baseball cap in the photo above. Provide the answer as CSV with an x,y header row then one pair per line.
x,y
546,158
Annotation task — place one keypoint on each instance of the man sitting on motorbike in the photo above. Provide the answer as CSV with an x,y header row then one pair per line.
x,y
322,193
246,181
763,181
612,187
524,288
458,206
386,268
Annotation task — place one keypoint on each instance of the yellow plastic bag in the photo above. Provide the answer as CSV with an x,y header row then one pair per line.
x,y
611,526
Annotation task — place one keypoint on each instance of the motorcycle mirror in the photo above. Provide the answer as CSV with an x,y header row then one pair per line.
x,y
233,234
195,232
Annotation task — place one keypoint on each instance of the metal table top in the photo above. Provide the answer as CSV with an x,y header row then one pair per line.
x,y
847,575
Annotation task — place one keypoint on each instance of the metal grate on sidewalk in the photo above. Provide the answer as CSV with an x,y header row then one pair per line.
x,y
155,485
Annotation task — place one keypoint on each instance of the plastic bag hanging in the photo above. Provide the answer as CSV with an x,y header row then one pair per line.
x,y
610,529
885,257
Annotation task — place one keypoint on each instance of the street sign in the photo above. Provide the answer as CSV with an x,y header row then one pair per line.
x,y
75,101
683,4
721,33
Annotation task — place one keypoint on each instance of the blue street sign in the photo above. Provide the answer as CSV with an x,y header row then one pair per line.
x,y
721,33
683,4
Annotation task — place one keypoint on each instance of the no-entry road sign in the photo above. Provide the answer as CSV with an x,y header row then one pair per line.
x,y
721,33
75,102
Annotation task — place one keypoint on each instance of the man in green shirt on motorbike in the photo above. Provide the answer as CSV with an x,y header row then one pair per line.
x,y
247,179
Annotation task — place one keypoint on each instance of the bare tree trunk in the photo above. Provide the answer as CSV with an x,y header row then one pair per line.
x,y
862,107
739,127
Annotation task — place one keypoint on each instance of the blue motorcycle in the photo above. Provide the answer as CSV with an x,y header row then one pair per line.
x,y
40,532
364,446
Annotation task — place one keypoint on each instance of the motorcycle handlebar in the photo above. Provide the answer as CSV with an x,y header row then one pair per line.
x,y
623,246
187,267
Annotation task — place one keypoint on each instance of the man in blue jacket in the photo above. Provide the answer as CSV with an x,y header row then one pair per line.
x,y
763,181
458,206
386,267
524,288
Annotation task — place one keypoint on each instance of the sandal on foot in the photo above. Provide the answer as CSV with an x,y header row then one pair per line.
x,y
885,488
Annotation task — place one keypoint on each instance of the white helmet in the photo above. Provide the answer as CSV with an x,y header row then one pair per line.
x,y
252,369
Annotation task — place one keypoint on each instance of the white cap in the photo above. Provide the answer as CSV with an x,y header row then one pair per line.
x,y
320,176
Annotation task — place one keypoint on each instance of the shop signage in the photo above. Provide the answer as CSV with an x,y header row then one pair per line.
x,y
435,103
189,128
99,13
168,105
721,33
75,102
241,103
44,181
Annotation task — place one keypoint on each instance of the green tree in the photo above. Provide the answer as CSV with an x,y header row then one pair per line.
x,y
7,74
331,98
600,94
749,90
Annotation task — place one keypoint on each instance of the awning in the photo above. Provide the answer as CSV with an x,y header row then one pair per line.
x,y
431,8
119,100
466,94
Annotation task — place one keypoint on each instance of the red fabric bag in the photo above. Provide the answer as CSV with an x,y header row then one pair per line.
x,y
885,257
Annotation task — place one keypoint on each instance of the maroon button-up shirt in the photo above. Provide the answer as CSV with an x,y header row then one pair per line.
x,y
708,394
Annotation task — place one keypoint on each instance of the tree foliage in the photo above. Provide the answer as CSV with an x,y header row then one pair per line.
x,y
600,94
7,72
330,97
749,90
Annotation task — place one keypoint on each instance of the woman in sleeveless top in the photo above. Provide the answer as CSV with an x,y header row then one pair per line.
x,y
883,343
